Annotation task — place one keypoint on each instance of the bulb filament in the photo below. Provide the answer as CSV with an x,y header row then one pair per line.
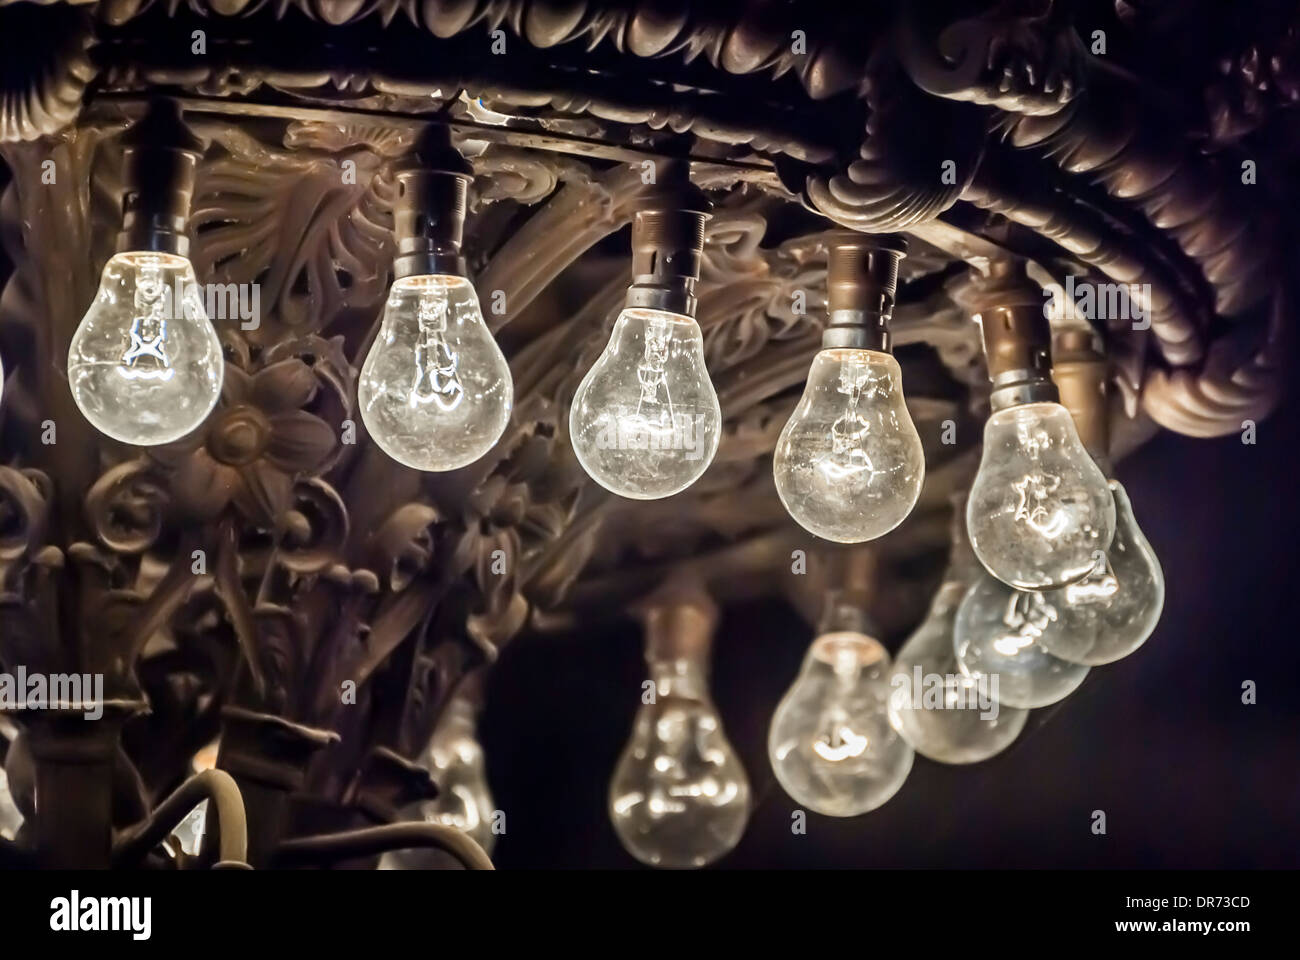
x,y
437,379
1028,614
842,743
1033,491
1099,585
848,454
653,414
145,357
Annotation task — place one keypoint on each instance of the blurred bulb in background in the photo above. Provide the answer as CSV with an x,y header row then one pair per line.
x,y
679,796
1110,612
849,463
944,713
831,744
455,760
998,632
191,829
645,421
11,818
145,365
435,391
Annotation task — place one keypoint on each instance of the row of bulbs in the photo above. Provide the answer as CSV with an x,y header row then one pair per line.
x,y
145,367
435,392
1058,589
843,739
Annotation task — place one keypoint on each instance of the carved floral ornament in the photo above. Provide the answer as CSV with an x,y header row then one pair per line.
x,y
239,576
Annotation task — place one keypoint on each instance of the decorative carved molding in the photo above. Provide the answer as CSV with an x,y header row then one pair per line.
x,y
241,577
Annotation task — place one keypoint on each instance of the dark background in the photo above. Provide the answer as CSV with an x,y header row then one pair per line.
x,y
1187,775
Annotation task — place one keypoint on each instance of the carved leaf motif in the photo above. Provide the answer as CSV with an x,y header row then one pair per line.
x,y
316,242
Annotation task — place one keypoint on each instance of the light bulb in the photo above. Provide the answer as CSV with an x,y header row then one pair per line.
x,y
942,712
645,421
997,634
679,796
1110,612
1039,507
831,743
435,391
455,760
145,366
849,463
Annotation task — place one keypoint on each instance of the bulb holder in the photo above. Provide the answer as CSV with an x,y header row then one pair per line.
x,y
1080,372
861,282
849,588
668,243
679,621
429,214
1017,336
160,158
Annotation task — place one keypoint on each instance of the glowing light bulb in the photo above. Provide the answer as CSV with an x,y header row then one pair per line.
x,y
435,391
645,421
455,759
1039,507
831,743
941,711
849,463
1110,612
679,796
998,633
145,366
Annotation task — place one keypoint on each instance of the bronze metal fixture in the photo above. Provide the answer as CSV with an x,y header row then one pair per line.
x,y
160,157
861,282
668,242
1017,336
429,213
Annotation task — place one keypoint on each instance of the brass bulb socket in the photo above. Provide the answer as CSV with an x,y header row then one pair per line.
x,y
429,222
861,284
679,625
1016,334
1080,372
667,252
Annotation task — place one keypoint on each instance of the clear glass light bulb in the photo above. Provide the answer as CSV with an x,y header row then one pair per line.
x,y
645,421
831,743
435,391
998,633
455,759
1040,507
145,366
942,712
849,463
679,796
1110,612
